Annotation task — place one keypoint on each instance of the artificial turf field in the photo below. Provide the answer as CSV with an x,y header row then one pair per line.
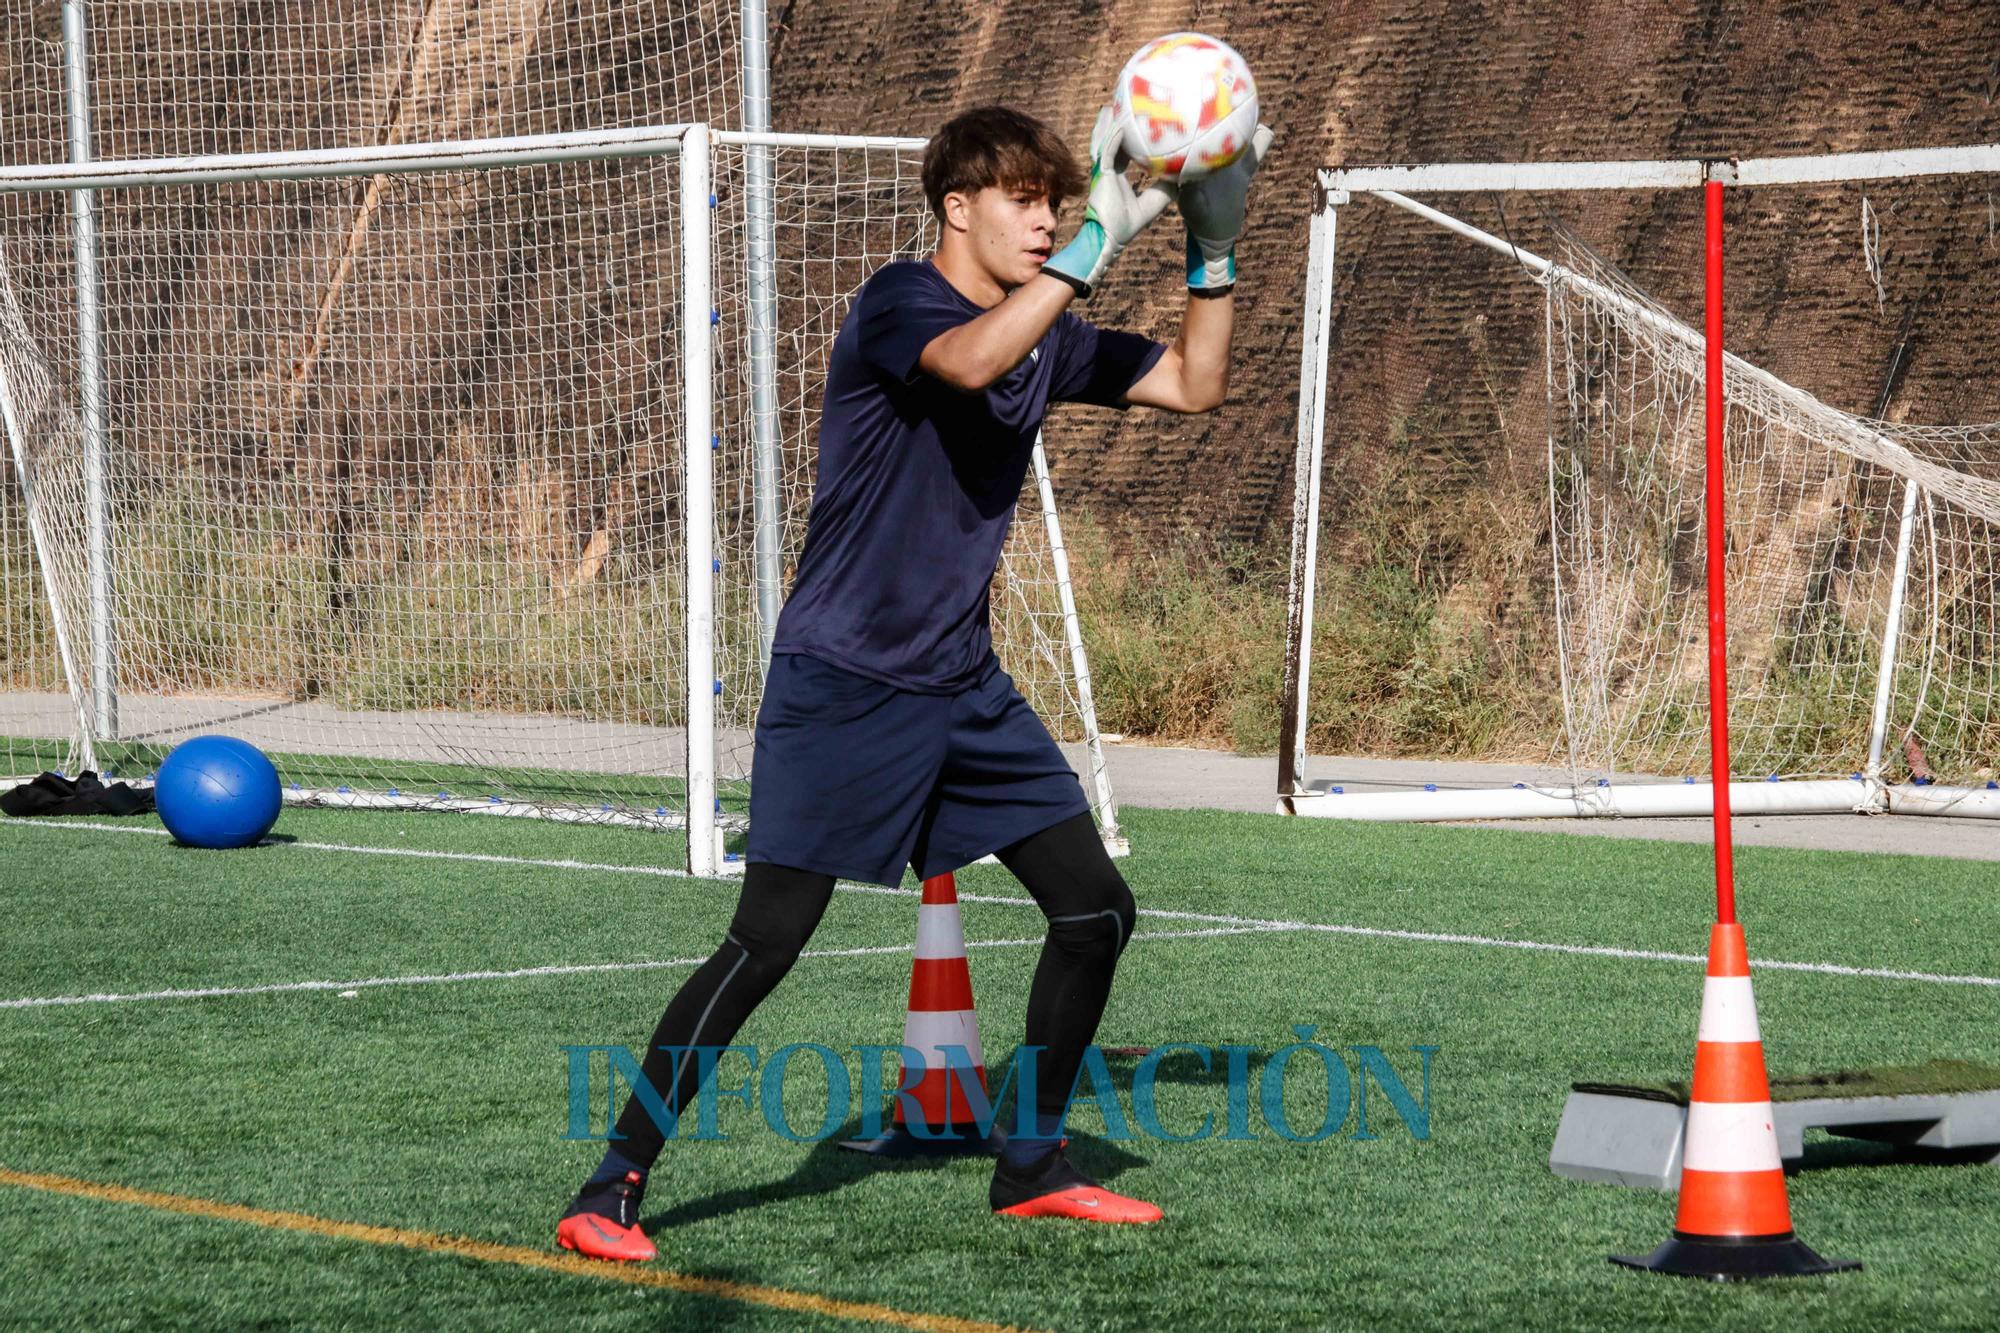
x,y
436,1107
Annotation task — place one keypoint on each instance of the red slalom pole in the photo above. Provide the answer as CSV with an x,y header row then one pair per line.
x,y
1718,620
1733,1221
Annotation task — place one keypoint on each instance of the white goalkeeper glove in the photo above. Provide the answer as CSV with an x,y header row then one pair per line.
x,y
1213,208
1114,212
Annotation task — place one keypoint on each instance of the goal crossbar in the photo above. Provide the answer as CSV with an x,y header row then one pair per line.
x,y
327,163
525,150
1530,177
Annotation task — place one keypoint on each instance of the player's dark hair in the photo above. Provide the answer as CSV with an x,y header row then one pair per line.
x,y
997,145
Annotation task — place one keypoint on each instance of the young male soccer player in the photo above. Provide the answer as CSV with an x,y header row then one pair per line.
x,y
888,735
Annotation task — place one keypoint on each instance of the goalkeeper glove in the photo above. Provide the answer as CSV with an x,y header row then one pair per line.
x,y
1213,208
1114,212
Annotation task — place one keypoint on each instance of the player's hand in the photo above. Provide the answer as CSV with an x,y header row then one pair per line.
x,y
1213,207
1113,215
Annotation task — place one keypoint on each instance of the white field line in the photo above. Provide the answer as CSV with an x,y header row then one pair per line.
x,y
553,970
1238,924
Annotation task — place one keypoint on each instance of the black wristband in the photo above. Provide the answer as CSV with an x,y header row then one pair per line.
x,y
1081,287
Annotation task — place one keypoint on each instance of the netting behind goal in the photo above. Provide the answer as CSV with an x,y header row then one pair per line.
x,y
393,466
394,478
1816,514
173,78
395,463
1525,411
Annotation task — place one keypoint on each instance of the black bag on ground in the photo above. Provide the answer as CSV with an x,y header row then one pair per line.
x,y
54,794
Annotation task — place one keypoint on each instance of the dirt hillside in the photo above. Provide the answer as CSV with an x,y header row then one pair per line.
x,y
1456,80
1437,346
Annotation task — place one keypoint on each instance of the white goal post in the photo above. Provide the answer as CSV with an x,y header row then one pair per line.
x,y
1863,572
459,475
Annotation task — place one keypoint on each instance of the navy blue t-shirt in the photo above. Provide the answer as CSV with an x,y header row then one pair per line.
x,y
918,481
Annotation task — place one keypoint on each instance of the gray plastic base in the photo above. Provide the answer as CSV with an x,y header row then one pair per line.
x,y
1636,1140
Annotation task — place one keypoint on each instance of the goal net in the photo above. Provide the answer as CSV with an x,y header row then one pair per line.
x,y
393,465
182,78
1558,310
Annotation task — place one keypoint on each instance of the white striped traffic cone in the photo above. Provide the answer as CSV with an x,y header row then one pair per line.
x,y
941,1015
1734,1221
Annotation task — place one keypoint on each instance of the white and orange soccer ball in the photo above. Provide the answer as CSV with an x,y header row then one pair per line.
x,y
1185,105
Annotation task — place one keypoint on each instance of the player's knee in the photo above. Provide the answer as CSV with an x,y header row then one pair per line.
x,y
1099,933
767,951
767,946
1127,911
778,913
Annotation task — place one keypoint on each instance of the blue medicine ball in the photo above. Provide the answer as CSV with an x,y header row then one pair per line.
x,y
217,791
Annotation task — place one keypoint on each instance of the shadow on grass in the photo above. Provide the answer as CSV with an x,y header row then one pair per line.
x,y
1179,1067
268,840
1825,1152
824,1170
829,1168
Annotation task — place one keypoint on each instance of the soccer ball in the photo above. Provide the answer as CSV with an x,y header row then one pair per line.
x,y
1186,105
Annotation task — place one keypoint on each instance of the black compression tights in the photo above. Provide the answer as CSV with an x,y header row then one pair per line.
x,y
1090,913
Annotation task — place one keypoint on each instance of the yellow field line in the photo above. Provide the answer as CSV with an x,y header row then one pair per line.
x,y
554,1261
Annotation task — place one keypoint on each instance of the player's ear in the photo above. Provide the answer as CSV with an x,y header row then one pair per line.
x,y
958,211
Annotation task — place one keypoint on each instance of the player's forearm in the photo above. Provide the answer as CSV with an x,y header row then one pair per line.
x,y
974,355
1206,332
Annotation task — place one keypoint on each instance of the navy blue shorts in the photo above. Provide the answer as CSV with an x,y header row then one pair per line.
x,y
858,779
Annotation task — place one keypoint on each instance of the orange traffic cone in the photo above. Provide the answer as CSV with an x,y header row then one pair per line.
x,y
1734,1221
941,1015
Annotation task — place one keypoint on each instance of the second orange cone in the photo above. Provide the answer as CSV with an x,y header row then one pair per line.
x,y
942,1026
1734,1221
